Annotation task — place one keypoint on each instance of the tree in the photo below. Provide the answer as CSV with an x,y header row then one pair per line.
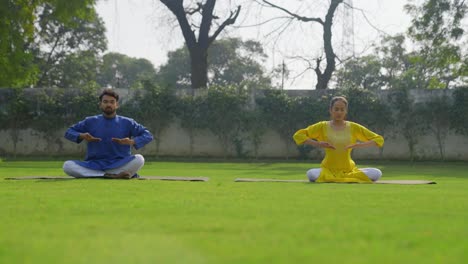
x,y
400,70
362,72
323,77
198,47
76,71
55,41
18,28
437,28
231,62
119,70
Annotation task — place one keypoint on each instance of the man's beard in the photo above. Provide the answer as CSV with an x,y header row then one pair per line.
x,y
108,111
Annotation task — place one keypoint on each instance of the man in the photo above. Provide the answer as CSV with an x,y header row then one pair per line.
x,y
109,138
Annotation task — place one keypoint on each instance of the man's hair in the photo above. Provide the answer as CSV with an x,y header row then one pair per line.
x,y
109,92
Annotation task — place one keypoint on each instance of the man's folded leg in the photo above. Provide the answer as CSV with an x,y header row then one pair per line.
x,y
71,168
128,170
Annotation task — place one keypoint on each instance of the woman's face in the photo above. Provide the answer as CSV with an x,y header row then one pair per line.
x,y
338,111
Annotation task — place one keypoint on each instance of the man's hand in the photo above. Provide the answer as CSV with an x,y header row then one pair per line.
x,y
124,141
88,137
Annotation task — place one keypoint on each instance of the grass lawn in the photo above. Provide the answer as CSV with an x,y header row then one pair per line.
x,y
220,221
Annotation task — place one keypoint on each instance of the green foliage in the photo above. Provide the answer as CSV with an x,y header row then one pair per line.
x,y
80,103
367,109
75,71
121,71
230,62
189,113
286,115
459,116
153,106
16,31
362,72
256,127
222,112
21,40
437,28
16,114
409,118
437,21
60,43
234,122
437,114
48,116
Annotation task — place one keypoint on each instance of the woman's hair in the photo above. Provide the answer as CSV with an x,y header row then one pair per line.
x,y
338,98
109,92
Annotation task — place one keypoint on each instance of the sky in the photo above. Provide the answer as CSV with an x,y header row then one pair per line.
x,y
145,29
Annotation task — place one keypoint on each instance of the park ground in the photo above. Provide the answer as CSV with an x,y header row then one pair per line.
x,y
221,221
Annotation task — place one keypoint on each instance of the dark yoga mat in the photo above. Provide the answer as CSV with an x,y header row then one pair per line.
x,y
406,182
163,178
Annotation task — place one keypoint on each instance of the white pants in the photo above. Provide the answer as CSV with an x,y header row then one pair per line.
x,y
373,173
73,169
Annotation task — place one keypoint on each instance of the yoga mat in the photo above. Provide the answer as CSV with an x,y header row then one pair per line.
x,y
163,178
174,178
406,182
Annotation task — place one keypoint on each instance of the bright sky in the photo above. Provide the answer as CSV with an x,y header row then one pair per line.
x,y
140,28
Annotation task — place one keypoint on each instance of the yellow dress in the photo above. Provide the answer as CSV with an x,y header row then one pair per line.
x,y
337,166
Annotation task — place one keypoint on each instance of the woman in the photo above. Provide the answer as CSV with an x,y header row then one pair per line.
x,y
339,137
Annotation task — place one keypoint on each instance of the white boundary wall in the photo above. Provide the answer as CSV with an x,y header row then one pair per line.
x,y
175,142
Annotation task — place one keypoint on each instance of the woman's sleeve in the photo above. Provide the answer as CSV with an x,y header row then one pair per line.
x,y
311,132
363,134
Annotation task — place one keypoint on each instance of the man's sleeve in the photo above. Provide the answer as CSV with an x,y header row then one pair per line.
x,y
141,135
73,132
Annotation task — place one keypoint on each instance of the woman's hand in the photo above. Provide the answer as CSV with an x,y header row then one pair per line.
x,y
324,144
361,145
319,144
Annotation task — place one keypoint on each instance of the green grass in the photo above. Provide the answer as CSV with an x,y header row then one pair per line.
x,y
220,221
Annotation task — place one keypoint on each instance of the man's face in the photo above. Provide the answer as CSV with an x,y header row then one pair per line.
x,y
108,105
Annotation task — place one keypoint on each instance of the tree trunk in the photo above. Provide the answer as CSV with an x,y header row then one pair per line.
x,y
198,48
324,78
199,67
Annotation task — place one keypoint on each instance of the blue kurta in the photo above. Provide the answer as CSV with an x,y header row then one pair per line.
x,y
106,154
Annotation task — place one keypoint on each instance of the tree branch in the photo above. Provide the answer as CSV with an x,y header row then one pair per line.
x,y
192,11
207,18
231,20
298,17
177,8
